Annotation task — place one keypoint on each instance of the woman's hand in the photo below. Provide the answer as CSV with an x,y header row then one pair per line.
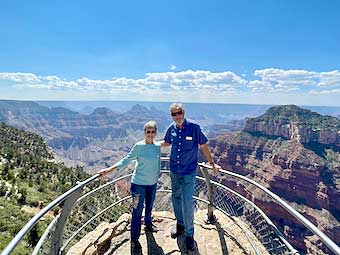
x,y
103,172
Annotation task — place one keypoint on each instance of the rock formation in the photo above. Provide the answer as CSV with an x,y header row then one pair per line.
x,y
224,237
294,123
90,140
295,153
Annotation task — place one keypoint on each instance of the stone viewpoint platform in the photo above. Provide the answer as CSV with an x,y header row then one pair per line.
x,y
113,238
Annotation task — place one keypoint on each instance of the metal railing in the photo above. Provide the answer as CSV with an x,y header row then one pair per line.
x,y
66,197
325,239
84,208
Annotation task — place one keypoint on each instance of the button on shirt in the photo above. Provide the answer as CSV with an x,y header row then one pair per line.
x,y
184,141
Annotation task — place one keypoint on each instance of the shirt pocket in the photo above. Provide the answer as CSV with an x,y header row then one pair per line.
x,y
188,145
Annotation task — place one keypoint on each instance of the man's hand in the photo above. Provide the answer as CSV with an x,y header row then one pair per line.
x,y
215,168
164,144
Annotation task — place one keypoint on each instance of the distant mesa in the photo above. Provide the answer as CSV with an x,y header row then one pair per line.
x,y
139,108
73,134
102,111
294,123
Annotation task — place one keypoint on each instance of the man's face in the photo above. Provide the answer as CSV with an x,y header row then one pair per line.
x,y
178,116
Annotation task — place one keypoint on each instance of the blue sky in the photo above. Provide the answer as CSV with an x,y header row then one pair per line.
x,y
196,51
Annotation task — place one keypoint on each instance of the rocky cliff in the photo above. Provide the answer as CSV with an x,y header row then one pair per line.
x,y
294,123
90,140
29,179
288,151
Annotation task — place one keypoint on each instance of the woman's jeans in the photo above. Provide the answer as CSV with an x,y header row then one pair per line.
x,y
139,194
183,187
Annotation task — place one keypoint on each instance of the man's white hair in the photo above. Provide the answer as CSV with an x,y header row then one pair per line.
x,y
177,106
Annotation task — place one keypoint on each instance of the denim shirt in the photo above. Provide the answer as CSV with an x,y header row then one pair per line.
x,y
184,141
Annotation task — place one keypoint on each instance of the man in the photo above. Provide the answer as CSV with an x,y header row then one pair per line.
x,y
185,136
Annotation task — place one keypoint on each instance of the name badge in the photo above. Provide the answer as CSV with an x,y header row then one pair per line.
x,y
188,138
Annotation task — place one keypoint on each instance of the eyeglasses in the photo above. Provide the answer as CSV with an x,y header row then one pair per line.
x,y
150,132
176,113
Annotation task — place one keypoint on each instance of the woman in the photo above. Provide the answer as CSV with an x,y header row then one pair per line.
x,y
144,180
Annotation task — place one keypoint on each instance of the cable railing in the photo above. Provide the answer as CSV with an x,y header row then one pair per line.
x,y
310,226
90,203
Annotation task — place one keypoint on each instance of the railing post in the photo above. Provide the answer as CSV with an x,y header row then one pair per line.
x,y
43,237
58,233
210,218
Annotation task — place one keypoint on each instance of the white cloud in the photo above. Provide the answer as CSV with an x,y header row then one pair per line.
x,y
289,80
330,79
199,79
325,92
172,67
280,74
260,86
20,77
279,80
190,83
187,81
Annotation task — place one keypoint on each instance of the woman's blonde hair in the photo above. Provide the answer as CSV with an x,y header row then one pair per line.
x,y
150,124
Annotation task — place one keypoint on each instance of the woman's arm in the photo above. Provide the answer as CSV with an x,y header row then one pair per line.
x,y
121,163
107,170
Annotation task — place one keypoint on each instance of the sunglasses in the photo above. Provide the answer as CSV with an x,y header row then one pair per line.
x,y
150,132
176,113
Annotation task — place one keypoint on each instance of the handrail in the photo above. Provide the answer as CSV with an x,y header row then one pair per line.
x,y
266,218
9,248
44,236
324,238
107,208
91,219
208,202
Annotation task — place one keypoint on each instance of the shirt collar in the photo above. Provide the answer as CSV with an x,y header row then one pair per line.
x,y
184,123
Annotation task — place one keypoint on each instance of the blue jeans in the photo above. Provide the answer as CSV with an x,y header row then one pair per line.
x,y
139,194
183,187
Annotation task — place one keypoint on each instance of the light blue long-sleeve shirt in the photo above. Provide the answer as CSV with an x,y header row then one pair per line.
x,y
148,162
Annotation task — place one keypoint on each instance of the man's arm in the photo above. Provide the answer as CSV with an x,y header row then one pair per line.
x,y
167,141
164,144
205,149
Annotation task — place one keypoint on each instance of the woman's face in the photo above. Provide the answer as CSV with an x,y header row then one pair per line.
x,y
150,134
